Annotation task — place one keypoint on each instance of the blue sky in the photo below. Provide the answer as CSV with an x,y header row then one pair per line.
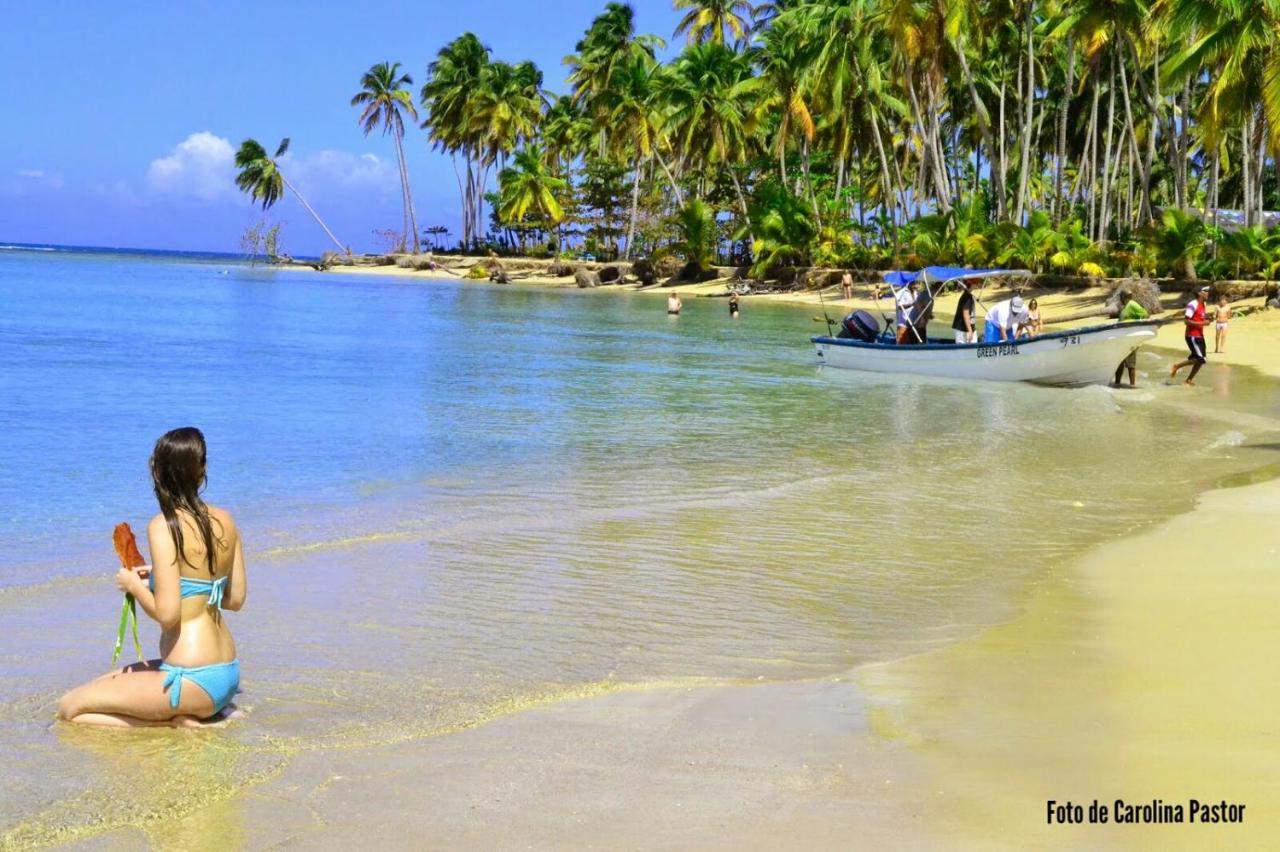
x,y
120,118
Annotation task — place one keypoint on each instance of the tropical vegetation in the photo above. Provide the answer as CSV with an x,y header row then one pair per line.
x,y
1071,136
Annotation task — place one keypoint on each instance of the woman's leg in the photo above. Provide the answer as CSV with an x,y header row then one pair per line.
x,y
134,695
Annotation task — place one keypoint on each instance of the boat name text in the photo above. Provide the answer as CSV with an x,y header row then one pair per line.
x,y
997,350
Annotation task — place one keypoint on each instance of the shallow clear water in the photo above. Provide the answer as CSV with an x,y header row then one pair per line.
x,y
462,499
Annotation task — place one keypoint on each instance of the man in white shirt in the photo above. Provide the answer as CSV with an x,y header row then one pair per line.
x,y
1003,320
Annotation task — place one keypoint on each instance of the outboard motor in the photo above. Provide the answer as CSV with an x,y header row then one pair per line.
x,y
860,325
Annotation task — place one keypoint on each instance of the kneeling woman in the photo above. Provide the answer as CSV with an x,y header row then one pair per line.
x,y
197,571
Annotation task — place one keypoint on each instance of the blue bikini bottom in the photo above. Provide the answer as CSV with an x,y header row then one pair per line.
x,y
220,680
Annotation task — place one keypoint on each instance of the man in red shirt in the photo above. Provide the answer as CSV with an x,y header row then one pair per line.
x,y
1195,320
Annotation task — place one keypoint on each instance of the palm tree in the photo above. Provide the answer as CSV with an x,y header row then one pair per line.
x,y
384,97
785,62
507,108
1237,43
710,115
632,120
454,80
528,186
609,44
565,131
696,239
260,176
708,20
1178,241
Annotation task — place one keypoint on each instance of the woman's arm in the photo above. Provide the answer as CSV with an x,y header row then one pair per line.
x,y
165,603
237,586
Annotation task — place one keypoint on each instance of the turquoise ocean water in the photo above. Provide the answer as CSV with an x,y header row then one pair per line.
x,y
458,499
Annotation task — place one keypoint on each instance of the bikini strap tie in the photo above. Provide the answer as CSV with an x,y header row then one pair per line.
x,y
173,683
216,590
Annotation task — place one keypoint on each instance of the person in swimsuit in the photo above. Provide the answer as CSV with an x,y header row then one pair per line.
x,y
733,305
674,304
197,571
1221,317
846,286
1032,326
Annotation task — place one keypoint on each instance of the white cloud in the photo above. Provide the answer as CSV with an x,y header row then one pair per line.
x,y
28,181
202,166
330,169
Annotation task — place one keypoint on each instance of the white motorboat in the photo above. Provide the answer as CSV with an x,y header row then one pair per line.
x,y
1077,356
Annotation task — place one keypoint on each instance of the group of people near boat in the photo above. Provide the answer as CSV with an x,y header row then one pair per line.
x,y
1005,321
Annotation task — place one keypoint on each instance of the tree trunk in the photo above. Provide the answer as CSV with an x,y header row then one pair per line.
x,y
1002,162
635,207
1024,170
742,201
1261,171
675,187
316,216
1246,135
1144,212
462,194
1060,153
1184,133
410,214
1105,215
984,130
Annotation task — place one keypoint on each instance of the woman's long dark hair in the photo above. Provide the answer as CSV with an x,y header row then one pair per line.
x,y
178,474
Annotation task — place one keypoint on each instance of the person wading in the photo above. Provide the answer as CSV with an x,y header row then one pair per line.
x,y
1195,319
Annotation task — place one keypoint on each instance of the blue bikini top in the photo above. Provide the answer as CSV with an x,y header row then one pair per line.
x,y
189,588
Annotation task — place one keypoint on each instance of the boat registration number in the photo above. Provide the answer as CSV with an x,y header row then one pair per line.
x,y
1071,340
997,350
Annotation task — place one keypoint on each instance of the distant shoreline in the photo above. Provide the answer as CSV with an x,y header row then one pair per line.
x,y
1252,341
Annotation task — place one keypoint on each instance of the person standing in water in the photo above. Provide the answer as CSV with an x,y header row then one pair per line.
x,y
1130,311
197,571
674,304
1194,318
733,305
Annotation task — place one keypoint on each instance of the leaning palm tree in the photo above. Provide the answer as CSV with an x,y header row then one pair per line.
x,y
384,97
260,176
708,20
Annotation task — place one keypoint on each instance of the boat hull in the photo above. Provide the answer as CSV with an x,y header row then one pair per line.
x,y
1077,357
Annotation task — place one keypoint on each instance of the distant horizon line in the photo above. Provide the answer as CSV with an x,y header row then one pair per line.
x,y
83,249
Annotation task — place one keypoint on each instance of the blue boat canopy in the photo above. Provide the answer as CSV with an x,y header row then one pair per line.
x,y
943,274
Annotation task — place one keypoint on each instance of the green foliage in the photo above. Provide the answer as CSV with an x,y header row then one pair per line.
x,y
696,237
528,186
783,227
1177,242
1251,251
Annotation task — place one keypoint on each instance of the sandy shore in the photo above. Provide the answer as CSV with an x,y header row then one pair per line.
x,y
1145,671
766,766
